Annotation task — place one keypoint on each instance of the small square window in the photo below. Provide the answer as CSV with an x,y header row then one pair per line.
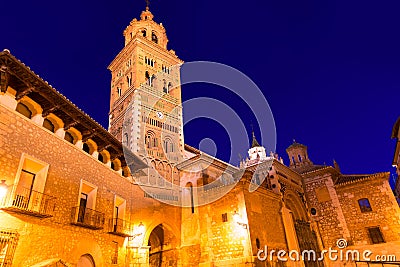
x,y
224,217
376,235
364,204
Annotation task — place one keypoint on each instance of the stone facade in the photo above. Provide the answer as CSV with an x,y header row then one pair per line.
x,y
75,194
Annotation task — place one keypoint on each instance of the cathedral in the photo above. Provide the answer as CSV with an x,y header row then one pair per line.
x,y
75,194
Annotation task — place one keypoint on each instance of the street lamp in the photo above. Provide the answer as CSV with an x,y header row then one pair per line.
x,y
238,220
138,231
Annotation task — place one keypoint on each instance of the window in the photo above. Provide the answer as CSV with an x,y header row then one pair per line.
x,y
224,217
165,89
119,91
119,215
68,137
24,110
258,244
364,204
85,214
114,259
147,76
154,37
8,244
100,157
30,181
144,33
375,235
129,80
86,148
48,125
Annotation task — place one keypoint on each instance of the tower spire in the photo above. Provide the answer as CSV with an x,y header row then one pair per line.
x,y
147,4
254,143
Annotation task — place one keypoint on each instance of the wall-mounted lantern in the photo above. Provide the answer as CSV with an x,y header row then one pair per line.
x,y
238,220
139,231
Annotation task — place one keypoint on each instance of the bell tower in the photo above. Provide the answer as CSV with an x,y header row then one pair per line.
x,y
145,104
298,155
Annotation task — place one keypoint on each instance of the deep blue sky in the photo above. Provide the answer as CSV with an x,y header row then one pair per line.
x,y
329,69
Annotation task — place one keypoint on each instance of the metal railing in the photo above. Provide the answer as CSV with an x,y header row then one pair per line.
x,y
28,201
86,217
119,227
8,244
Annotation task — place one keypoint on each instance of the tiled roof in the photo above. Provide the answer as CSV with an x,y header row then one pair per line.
x,y
352,178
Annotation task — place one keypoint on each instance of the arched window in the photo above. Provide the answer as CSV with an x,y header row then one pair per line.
x,y
152,80
68,137
100,157
299,158
154,37
24,110
129,81
150,140
144,33
119,91
86,148
165,89
169,86
147,76
48,125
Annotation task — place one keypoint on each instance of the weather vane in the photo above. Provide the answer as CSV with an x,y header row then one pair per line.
x,y
147,3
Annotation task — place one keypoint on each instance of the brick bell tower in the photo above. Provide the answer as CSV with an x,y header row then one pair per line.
x,y
145,85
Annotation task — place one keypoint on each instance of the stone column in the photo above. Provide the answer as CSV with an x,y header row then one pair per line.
x,y
8,100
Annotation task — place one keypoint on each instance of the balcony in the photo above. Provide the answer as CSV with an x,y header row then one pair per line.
x,y
27,201
88,218
119,227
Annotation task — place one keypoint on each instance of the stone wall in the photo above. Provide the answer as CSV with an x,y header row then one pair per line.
x,y
55,237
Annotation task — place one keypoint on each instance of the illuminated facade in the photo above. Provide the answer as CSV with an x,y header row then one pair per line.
x,y
68,197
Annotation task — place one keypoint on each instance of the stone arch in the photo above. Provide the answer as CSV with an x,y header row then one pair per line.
x,y
24,110
154,37
86,261
76,135
34,107
92,146
163,243
105,156
294,203
87,246
116,164
56,121
126,172
143,32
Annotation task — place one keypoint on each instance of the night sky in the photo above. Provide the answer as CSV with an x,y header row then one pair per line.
x,y
329,69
